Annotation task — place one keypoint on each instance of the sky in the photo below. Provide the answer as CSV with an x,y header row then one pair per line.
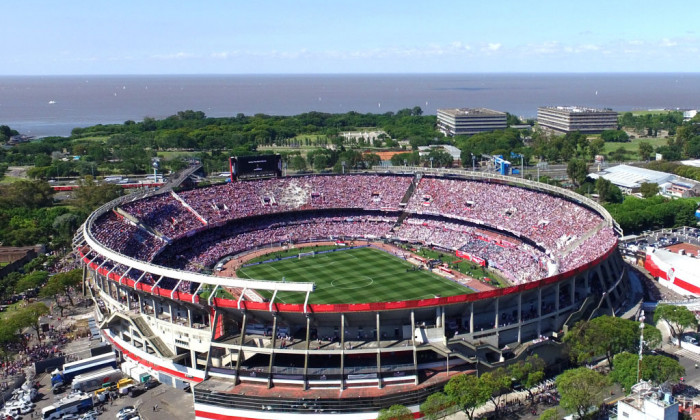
x,y
73,37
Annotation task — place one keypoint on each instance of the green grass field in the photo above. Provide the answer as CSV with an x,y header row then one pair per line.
x,y
632,146
354,276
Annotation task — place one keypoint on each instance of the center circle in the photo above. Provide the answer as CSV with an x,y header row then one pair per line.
x,y
352,283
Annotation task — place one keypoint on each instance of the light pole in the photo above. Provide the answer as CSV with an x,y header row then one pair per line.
x,y
473,162
431,162
343,164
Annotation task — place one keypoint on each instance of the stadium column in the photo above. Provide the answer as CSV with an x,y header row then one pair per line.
x,y
217,314
496,312
520,316
240,347
471,320
84,279
128,298
442,319
539,312
413,343
379,353
557,292
342,351
306,352
272,351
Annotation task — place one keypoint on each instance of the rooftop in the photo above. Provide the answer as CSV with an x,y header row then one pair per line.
x,y
631,176
460,112
576,109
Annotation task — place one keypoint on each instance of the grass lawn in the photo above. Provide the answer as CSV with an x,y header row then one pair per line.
x,y
7,179
632,146
354,276
168,155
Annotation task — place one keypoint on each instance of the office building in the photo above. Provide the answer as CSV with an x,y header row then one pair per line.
x,y
468,121
567,119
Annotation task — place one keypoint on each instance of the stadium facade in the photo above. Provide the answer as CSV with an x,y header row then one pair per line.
x,y
568,119
253,358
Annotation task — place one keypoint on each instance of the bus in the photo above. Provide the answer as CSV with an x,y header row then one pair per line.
x,y
94,380
71,404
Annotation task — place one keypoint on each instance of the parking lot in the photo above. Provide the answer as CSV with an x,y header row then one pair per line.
x,y
171,403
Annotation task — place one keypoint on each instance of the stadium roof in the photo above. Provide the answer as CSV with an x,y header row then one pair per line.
x,y
632,177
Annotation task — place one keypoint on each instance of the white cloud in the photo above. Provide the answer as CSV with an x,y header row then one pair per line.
x,y
494,46
668,43
175,56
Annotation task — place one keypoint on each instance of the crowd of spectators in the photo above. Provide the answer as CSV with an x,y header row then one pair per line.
x,y
165,213
550,221
27,357
213,245
120,235
236,200
517,261
453,214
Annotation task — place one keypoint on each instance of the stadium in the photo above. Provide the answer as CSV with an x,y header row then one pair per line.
x,y
307,296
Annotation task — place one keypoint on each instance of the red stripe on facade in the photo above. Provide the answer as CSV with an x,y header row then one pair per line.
x,y
151,365
217,416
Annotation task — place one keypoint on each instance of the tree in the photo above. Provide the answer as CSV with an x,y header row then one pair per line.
x,y
499,383
580,389
436,403
468,392
551,414
606,336
614,136
92,194
59,285
577,169
678,319
649,189
395,412
607,192
31,281
655,368
30,316
595,147
298,163
28,194
645,150
528,372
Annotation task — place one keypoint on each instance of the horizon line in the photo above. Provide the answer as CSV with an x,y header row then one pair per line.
x,y
358,73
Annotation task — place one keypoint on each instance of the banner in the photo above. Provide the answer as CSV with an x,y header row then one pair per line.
x,y
469,257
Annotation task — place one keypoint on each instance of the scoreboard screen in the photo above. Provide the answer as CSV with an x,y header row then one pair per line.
x,y
263,166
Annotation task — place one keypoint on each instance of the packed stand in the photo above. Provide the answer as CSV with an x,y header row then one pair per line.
x,y
164,213
516,260
217,243
549,221
222,203
120,235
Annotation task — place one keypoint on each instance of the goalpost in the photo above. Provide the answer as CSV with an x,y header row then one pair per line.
x,y
307,254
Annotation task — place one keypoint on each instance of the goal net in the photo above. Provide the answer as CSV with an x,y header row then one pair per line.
x,y
307,254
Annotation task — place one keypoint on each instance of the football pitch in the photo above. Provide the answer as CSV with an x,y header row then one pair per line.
x,y
359,275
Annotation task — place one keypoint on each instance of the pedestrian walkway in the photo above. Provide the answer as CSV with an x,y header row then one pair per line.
x,y
688,354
